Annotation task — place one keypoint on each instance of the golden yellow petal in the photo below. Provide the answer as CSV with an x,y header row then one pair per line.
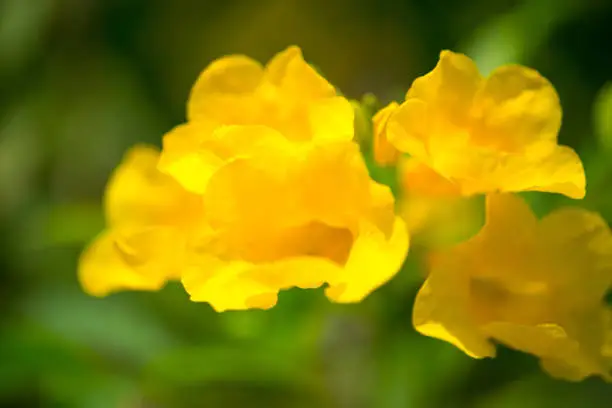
x,y
305,272
104,268
559,172
516,109
589,330
508,218
220,89
138,194
507,261
484,170
441,310
418,178
186,158
331,119
385,154
449,88
546,340
157,249
247,190
193,153
408,128
288,71
374,259
382,210
333,184
226,285
582,243
235,285
561,356
561,369
239,285
327,183
277,67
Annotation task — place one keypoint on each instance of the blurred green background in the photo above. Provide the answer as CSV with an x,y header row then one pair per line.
x,y
82,80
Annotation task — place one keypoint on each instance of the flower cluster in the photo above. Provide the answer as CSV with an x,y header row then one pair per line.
x,y
534,285
262,189
265,188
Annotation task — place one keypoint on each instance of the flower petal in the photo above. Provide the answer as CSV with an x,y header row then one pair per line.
x,y
585,240
385,154
408,128
373,260
449,88
483,170
236,285
333,184
138,194
105,267
223,88
331,119
184,158
516,108
239,285
288,71
193,153
441,308
246,190
544,340
416,177
226,285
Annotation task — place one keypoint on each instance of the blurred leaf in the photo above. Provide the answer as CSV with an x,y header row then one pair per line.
x,y
516,36
540,391
90,111
90,389
245,324
416,369
21,30
113,325
70,224
62,372
363,126
602,117
383,175
228,362
27,352
20,157
541,203
346,359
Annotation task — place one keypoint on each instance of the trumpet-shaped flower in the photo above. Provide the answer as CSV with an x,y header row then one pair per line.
x,y
287,95
481,135
536,286
294,215
149,217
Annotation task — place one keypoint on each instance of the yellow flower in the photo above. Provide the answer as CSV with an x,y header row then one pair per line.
x,y
261,190
481,135
294,215
287,95
536,286
385,154
149,216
